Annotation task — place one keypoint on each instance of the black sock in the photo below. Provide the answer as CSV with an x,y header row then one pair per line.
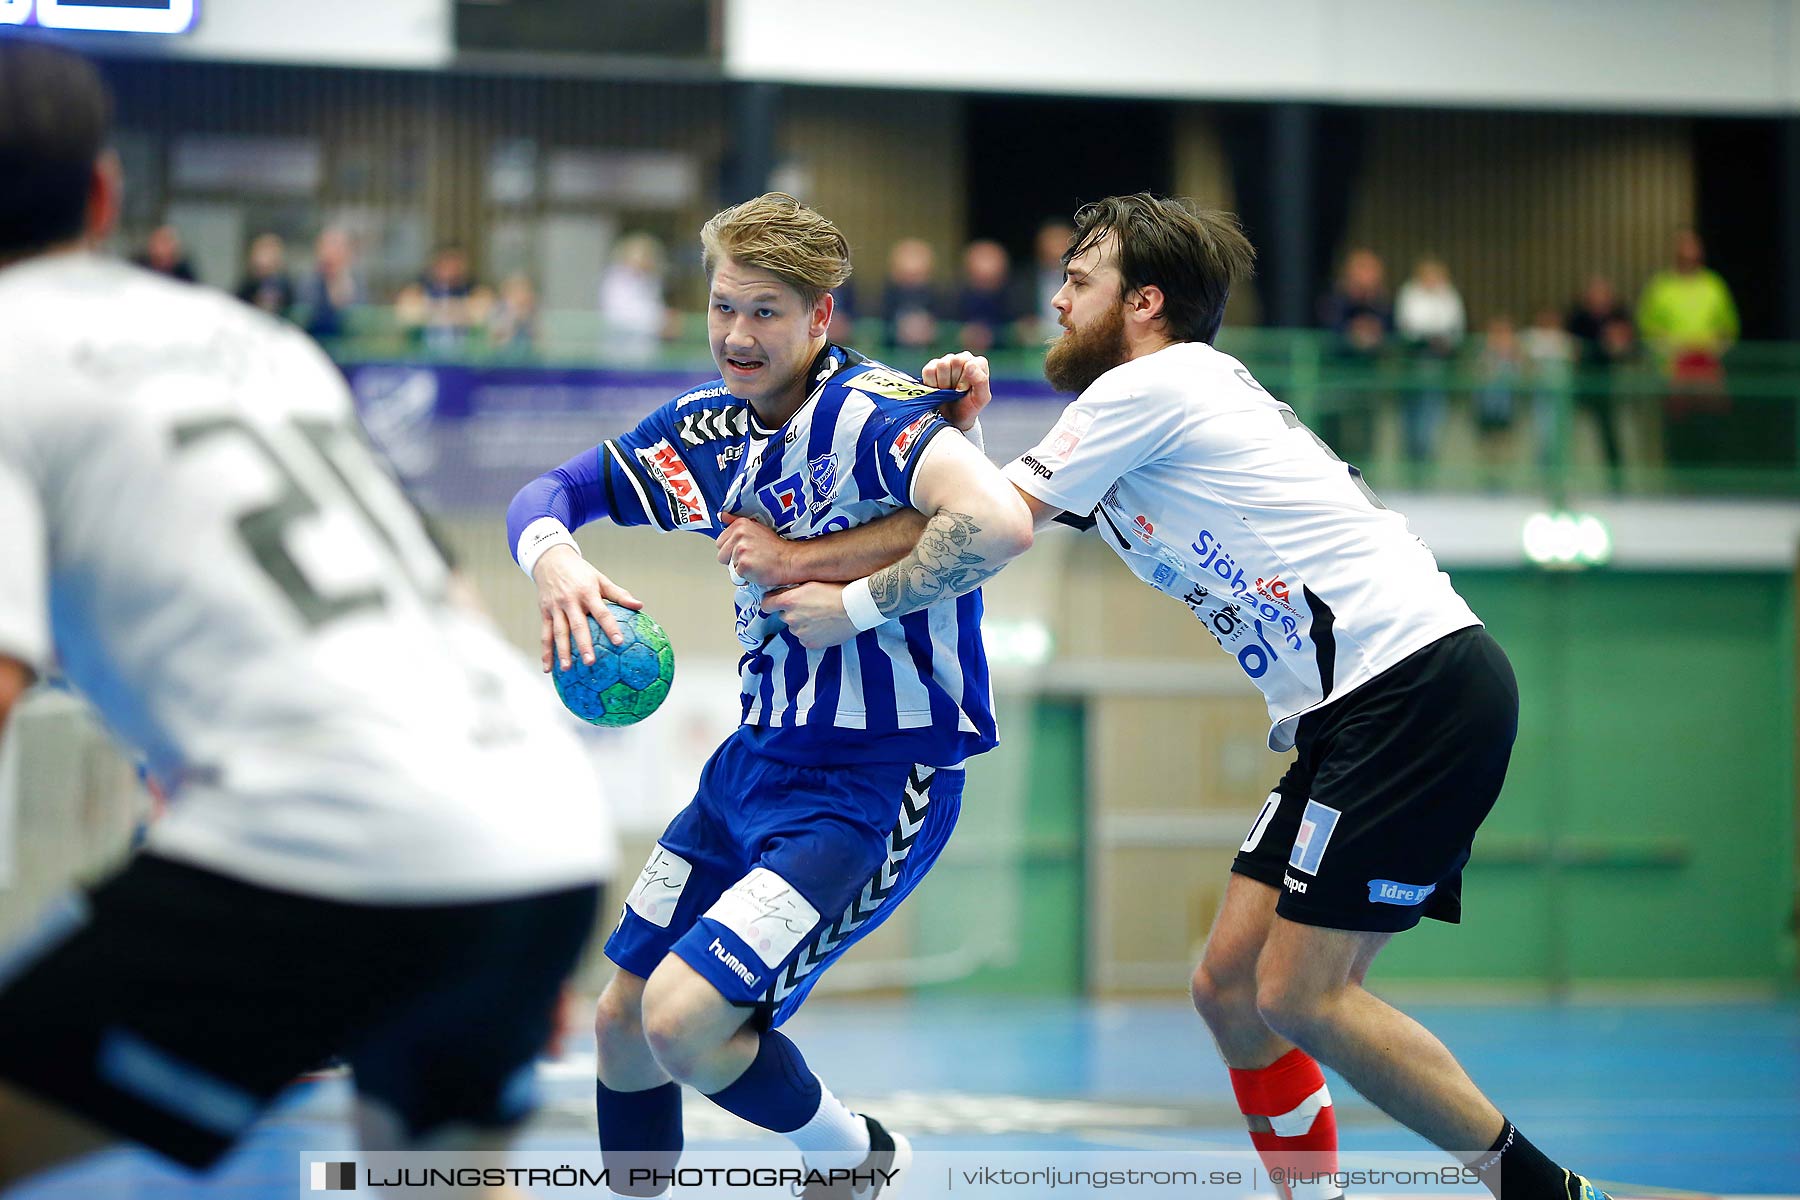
x,y
1514,1169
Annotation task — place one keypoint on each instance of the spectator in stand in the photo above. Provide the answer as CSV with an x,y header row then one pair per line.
x,y
909,303
985,304
332,288
445,304
1549,356
513,323
1053,237
1357,309
164,254
1501,370
1687,316
634,316
1429,317
266,284
1605,339
1358,312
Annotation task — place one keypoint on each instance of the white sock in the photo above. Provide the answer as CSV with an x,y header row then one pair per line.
x,y
835,1138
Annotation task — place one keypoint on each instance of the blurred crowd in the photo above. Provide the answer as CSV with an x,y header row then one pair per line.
x,y
1520,377
1520,369
448,309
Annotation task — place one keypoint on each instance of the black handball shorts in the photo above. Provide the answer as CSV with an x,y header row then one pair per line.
x,y
171,1004
1370,827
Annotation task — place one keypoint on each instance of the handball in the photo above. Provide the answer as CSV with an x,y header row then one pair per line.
x,y
626,682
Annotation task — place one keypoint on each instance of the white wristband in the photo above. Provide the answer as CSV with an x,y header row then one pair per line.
x,y
973,433
539,536
859,606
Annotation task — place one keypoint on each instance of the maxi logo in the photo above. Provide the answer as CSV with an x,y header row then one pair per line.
x,y
783,500
686,505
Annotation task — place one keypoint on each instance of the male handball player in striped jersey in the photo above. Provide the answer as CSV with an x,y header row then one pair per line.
x,y
838,791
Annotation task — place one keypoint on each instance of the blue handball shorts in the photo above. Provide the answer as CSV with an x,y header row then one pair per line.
x,y
775,870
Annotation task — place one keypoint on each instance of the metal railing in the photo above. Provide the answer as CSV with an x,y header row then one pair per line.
x,y
1471,422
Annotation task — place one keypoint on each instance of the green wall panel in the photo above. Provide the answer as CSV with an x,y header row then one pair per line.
x,y
1647,826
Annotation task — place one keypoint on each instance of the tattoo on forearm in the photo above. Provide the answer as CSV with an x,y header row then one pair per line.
x,y
944,564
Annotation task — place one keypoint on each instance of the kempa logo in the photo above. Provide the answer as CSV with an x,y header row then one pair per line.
x,y
1294,885
734,964
333,1177
1037,468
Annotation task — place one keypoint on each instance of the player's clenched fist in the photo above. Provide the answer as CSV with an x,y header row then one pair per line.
x,y
569,589
755,553
961,372
814,614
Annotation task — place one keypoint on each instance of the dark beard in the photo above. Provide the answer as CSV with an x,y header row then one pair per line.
x,y
1078,358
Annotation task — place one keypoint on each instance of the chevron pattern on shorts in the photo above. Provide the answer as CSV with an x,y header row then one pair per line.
x,y
913,803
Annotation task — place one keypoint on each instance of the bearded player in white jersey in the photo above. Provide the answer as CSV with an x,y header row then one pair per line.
x,y
1401,707
373,847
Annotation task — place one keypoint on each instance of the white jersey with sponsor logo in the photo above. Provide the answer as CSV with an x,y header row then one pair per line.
x,y
193,529
1213,492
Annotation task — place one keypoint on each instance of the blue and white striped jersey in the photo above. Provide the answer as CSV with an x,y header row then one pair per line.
x,y
914,690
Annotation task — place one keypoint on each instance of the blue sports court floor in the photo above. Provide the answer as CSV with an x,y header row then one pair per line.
x,y
1662,1098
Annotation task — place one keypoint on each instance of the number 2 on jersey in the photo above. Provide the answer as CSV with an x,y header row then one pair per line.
x,y
265,530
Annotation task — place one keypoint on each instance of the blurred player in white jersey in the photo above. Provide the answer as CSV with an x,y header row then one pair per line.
x,y
1401,707
373,847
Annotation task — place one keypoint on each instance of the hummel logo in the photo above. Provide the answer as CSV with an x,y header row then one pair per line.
x,y
734,964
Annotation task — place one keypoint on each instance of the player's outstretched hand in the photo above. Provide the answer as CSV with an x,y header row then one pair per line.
x,y
755,553
814,613
569,588
962,372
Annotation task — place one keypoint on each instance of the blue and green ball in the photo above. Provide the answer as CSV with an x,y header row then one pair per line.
x,y
626,682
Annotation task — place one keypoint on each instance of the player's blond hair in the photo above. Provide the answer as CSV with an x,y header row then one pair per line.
x,y
778,234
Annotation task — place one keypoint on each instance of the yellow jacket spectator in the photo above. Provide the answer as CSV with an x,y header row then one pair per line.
x,y
1688,309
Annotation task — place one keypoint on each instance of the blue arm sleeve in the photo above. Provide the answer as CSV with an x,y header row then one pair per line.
x,y
642,478
573,493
